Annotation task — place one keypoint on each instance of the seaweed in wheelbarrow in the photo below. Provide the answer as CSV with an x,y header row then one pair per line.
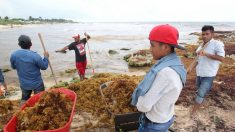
x,y
51,112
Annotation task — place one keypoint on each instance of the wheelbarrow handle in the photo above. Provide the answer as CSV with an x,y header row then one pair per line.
x,y
102,86
105,85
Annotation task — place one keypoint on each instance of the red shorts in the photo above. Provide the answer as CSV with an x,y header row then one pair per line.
x,y
81,67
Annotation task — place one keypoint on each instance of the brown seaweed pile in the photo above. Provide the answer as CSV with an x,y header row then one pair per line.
x,y
52,111
117,95
5,106
7,109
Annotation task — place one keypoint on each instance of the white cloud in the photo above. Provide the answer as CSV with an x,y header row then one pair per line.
x,y
122,10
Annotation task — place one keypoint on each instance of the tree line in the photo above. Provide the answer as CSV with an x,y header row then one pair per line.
x,y
35,20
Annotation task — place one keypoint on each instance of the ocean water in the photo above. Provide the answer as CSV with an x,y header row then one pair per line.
x,y
104,36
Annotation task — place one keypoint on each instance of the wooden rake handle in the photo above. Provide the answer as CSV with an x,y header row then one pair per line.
x,y
43,46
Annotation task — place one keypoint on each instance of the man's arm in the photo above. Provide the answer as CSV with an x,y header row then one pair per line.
x,y
12,60
43,63
215,57
87,36
192,66
195,61
63,50
211,56
219,52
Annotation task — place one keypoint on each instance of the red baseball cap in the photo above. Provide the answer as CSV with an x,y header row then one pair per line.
x,y
77,36
165,34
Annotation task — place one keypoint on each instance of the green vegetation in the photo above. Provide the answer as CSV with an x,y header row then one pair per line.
x,y
21,21
61,84
7,21
70,70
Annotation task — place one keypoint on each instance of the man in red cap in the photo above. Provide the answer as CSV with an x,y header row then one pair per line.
x,y
157,93
80,53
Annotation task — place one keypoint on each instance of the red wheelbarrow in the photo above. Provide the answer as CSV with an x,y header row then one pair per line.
x,y
11,125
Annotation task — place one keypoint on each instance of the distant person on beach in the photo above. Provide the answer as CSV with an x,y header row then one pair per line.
x,y
28,65
207,64
2,82
157,93
80,53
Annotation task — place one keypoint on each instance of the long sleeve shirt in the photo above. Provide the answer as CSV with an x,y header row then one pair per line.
x,y
158,103
28,65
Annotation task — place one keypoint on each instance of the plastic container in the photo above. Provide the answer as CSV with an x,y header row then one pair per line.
x,y
11,125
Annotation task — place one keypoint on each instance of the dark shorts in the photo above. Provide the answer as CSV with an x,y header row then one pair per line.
x,y
27,93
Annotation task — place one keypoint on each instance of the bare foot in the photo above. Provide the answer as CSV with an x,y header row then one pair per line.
x,y
194,110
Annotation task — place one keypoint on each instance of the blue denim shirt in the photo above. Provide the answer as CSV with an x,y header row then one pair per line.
x,y
172,61
28,65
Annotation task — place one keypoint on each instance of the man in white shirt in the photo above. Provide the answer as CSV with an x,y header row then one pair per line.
x,y
207,64
156,95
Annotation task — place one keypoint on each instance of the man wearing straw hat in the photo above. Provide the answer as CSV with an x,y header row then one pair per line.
x,y
28,65
80,53
157,93
210,55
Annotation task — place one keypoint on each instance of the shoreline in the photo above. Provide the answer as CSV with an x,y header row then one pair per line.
x,y
9,26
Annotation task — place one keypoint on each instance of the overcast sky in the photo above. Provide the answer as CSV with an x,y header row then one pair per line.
x,y
122,10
